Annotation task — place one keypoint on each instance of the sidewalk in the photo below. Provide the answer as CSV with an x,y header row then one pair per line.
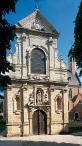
x,y
41,140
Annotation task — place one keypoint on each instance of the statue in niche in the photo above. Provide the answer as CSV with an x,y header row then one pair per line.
x,y
39,96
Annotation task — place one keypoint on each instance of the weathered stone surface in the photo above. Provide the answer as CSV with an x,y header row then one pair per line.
x,y
50,88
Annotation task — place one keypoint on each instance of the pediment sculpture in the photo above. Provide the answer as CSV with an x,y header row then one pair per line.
x,y
36,25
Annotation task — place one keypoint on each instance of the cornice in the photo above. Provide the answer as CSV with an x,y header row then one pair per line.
x,y
36,32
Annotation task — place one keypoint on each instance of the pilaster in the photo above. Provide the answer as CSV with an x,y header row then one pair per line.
x,y
48,120
30,121
25,112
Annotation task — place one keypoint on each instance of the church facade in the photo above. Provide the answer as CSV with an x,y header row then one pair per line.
x,y
37,101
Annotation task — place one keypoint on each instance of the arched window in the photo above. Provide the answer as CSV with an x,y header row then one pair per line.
x,y
18,103
59,106
76,116
38,61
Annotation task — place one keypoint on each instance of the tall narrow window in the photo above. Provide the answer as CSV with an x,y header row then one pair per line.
x,y
70,93
18,103
59,107
38,61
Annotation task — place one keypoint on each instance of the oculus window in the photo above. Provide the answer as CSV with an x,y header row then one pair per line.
x,y
38,61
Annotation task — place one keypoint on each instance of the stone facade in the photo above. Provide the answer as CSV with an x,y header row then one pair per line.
x,y
35,95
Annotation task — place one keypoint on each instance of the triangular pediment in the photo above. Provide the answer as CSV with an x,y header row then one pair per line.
x,y
36,21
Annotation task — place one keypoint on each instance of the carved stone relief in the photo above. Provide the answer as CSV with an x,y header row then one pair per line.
x,y
38,97
37,25
31,99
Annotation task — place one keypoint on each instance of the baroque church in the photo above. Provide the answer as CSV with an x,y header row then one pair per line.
x,y
37,101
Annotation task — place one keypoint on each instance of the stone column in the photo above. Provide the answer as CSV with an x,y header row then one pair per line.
x,y
25,112
48,120
9,112
55,104
52,105
47,65
9,103
64,107
51,57
19,53
28,63
51,51
34,94
30,121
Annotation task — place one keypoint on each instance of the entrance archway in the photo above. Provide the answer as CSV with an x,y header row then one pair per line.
x,y
39,122
76,116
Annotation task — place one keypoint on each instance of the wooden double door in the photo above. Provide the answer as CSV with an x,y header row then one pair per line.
x,y
39,122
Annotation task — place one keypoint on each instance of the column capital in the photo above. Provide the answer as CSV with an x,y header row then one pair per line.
x,y
24,88
51,89
63,90
30,109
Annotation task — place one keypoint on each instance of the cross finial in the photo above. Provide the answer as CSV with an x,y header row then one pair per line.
x,y
36,7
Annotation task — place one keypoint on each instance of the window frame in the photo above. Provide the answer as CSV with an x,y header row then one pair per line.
x,y
44,55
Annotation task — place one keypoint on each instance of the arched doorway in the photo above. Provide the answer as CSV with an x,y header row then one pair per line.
x,y
76,116
39,122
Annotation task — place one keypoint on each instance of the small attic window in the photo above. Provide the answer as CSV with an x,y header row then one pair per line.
x,y
69,78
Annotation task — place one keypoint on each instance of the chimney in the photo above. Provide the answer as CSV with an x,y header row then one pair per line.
x,y
71,64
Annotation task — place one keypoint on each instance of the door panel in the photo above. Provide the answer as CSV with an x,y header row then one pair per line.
x,y
35,123
39,122
43,122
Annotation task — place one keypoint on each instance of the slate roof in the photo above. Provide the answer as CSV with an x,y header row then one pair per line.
x,y
73,79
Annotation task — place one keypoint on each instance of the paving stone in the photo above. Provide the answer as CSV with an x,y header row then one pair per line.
x,y
42,140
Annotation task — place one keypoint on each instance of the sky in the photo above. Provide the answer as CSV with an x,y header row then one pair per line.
x,y
60,13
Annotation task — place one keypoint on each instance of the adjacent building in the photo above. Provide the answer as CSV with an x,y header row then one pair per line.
x,y
74,92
